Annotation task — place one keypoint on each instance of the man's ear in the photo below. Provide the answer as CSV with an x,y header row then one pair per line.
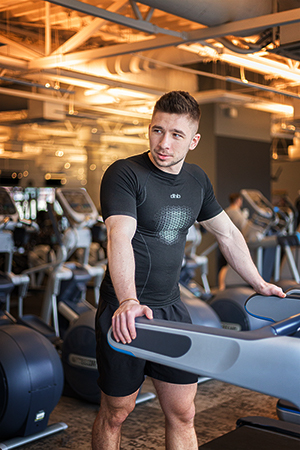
x,y
195,141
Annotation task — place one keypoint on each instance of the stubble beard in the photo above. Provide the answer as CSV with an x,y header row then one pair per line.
x,y
171,163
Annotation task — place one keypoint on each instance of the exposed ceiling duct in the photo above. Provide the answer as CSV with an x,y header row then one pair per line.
x,y
209,13
213,12
128,53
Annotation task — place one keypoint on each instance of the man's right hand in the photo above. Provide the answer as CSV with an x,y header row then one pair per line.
x,y
123,320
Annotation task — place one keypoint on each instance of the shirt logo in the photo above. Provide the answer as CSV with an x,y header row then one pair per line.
x,y
172,222
175,196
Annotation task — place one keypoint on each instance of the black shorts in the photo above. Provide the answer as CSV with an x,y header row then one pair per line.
x,y
121,374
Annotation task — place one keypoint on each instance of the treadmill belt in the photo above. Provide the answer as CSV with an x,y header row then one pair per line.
x,y
249,438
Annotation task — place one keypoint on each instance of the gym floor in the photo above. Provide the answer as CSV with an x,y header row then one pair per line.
x,y
218,406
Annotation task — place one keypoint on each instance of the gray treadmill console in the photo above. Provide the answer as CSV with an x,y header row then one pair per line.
x,y
259,203
78,206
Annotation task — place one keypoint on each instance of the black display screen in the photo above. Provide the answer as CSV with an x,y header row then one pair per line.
x,y
7,208
78,201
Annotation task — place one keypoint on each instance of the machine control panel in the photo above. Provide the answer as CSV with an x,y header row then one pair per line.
x,y
7,206
259,203
77,205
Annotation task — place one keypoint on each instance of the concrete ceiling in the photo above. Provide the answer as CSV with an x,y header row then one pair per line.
x,y
77,73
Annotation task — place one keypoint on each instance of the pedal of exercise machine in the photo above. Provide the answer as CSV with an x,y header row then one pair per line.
x,y
37,324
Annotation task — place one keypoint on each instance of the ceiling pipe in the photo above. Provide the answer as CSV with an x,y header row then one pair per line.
x,y
92,10
13,63
134,64
35,85
62,101
207,12
21,49
228,79
85,33
204,12
47,29
244,27
212,12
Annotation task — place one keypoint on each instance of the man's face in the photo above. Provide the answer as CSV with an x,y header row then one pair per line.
x,y
171,136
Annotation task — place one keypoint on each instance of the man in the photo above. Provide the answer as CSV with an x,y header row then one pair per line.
x,y
148,203
235,212
240,220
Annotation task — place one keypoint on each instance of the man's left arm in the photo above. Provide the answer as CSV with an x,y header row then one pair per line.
x,y
234,248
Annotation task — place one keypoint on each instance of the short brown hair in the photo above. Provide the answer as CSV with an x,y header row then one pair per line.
x,y
233,197
178,102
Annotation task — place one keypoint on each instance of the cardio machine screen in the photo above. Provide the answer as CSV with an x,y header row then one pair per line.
x,y
78,201
260,205
7,208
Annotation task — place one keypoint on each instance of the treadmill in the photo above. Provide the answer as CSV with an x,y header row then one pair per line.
x,y
266,360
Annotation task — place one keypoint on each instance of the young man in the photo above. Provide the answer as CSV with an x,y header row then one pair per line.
x,y
149,202
234,211
239,219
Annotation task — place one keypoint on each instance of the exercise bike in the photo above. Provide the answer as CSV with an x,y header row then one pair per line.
x,y
267,234
31,380
65,307
193,262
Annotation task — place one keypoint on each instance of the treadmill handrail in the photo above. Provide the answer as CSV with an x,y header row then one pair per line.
x,y
258,360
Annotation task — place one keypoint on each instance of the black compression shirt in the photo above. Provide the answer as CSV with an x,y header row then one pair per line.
x,y
165,206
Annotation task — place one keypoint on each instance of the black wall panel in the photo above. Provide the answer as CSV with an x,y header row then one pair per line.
x,y
241,164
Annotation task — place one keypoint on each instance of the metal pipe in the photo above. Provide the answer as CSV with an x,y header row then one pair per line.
x,y
213,12
47,29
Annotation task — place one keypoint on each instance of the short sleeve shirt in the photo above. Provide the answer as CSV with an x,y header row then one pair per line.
x,y
165,207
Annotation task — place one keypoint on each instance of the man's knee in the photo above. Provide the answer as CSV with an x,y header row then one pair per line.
x,y
116,410
177,402
116,417
181,414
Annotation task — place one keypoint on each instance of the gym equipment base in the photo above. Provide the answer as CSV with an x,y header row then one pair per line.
x,y
144,397
259,433
18,441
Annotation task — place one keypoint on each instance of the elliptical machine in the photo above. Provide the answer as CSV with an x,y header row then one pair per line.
x,y
65,305
67,316
193,262
267,234
31,373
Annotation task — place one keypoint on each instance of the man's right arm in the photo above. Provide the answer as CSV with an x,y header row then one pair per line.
x,y
120,231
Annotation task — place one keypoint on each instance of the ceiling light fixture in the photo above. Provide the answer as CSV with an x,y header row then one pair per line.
x,y
253,61
258,64
274,108
121,92
94,90
100,99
